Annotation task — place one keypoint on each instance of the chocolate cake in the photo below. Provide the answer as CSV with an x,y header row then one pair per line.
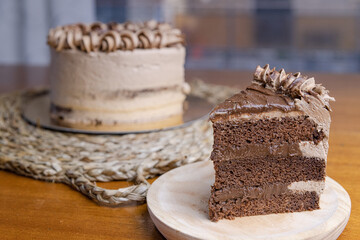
x,y
270,146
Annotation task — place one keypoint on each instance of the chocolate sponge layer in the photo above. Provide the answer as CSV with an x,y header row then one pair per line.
x,y
283,203
266,131
257,171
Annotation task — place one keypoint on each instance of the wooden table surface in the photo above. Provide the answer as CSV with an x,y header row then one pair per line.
x,y
31,209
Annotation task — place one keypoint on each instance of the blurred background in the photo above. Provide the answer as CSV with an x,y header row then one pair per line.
x,y
305,35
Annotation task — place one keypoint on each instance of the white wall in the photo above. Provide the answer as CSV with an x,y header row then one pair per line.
x,y
24,25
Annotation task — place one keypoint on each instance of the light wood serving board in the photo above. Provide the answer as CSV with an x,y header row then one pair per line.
x,y
178,205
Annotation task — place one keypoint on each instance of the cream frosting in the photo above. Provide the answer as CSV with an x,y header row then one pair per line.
x,y
307,186
270,114
310,149
86,117
133,70
97,81
138,86
114,36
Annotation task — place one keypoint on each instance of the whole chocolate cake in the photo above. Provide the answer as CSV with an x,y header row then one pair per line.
x,y
270,146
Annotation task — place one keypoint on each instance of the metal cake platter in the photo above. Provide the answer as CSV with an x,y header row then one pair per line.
x,y
36,111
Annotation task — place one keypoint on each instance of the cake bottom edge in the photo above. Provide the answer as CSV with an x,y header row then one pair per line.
x,y
283,203
142,126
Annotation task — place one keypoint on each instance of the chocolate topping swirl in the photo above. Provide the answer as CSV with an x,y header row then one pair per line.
x,y
114,36
296,86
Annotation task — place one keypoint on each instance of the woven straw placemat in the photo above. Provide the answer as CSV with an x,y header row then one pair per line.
x,y
81,160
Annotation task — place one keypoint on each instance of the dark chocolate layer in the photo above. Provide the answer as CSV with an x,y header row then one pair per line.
x,y
282,203
259,171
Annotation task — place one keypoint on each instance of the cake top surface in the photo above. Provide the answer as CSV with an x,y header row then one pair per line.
x,y
114,36
276,90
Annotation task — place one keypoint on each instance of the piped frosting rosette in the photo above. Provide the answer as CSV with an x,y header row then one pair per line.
x,y
295,85
114,36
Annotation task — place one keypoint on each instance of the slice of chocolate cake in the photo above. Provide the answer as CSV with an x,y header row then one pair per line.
x,y
270,146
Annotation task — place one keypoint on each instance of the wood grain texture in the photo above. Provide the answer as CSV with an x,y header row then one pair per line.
x,y
31,209
178,205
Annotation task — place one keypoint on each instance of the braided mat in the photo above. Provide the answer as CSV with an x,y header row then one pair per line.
x,y
81,160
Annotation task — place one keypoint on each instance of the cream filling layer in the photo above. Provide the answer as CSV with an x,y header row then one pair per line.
x,y
115,118
307,186
309,149
246,116
143,101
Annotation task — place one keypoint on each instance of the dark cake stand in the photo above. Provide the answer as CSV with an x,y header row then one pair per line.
x,y
178,205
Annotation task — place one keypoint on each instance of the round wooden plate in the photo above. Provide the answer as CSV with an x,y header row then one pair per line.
x,y
178,205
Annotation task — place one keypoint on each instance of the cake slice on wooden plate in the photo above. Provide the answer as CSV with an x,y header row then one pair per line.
x,y
270,146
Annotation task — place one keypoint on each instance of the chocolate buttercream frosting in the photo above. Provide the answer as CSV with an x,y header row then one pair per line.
x,y
296,86
114,36
275,90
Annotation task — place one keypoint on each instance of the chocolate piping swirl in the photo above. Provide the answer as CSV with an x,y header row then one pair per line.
x,y
296,86
114,36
